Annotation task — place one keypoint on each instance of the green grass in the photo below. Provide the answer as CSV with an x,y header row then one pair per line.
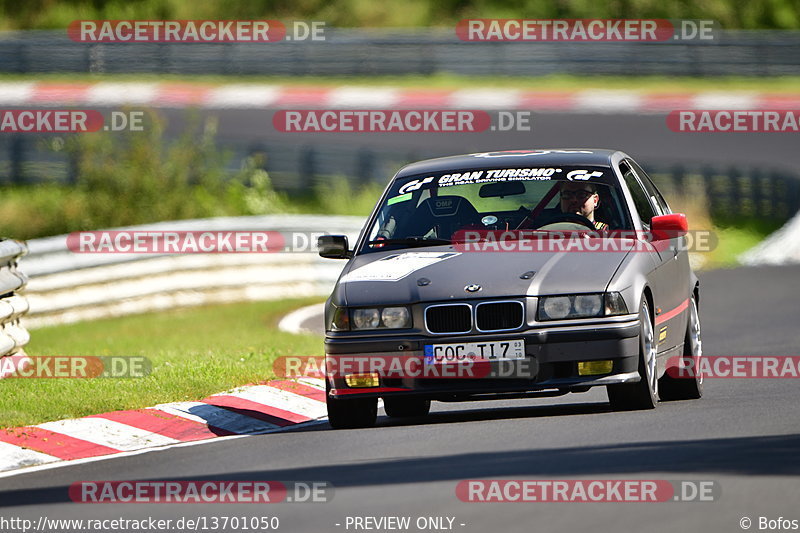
x,y
193,352
30,212
782,84
733,242
736,237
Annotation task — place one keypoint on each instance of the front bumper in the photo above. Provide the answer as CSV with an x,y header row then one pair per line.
x,y
552,354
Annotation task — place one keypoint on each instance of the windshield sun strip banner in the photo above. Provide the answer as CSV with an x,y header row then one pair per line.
x,y
467,177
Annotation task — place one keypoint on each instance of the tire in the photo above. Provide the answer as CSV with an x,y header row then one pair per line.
x,y
644,393
687,388
406,407
351,413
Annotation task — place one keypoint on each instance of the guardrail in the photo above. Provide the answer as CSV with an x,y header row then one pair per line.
x,y
414,51
67,287
13,336
733,192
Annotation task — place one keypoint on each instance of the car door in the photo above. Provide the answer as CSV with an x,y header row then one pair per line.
x,y
663,278
679,271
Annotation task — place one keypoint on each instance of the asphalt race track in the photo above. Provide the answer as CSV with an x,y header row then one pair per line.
x,y
744,435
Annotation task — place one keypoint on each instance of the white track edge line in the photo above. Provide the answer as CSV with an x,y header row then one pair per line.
x,y
291,322
71,462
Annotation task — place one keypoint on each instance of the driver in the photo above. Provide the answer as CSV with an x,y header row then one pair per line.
x,y
581,198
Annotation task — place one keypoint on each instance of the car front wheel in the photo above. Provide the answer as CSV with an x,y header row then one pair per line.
x,y
351,413
644,393
687,388
406,407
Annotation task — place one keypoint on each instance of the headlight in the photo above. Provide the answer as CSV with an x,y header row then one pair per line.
x,y
395,317
366,318
581,306
387,317
588,304
555,307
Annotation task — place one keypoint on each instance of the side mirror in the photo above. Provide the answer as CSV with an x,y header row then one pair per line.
x,y
670,226
334,247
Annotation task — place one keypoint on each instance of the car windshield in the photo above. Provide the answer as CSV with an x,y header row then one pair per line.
x,y
430,209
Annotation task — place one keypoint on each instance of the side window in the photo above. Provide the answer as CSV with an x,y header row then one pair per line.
x,y
655,196
640,197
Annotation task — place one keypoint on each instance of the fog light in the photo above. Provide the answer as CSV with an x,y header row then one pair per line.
x,y
361,381
592,368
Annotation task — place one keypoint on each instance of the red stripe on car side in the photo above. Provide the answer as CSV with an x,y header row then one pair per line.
x,y
673,313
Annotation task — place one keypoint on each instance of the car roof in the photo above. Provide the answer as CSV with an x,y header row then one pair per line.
x,y
515,158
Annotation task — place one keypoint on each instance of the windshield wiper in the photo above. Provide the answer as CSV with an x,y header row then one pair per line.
x,y
412,241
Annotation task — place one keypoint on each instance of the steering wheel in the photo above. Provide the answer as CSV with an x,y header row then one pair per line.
x,y
571,218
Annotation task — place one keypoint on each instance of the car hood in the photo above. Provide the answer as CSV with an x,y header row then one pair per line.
x,y
440,273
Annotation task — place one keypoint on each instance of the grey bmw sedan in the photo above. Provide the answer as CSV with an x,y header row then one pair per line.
x,y
516,274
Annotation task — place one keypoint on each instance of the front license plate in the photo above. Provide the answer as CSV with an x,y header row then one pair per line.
x,y
443,354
